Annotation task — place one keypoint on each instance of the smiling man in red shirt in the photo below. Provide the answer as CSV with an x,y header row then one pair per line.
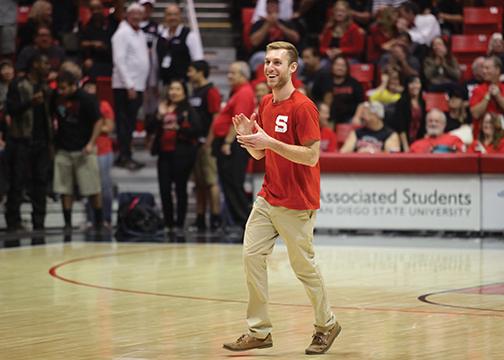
x,y
286,133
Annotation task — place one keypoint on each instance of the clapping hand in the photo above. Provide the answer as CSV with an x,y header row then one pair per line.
x,y
243,125
256,141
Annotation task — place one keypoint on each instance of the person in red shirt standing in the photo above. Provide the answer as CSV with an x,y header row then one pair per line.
x,y
232,159
436,140
105,156
285,132
487,97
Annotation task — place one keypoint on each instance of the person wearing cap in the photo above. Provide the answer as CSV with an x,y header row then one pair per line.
x,y
129,77
487,97
436,140
176,46
374,136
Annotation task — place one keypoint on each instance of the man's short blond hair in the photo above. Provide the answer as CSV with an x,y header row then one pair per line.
x,y
291,49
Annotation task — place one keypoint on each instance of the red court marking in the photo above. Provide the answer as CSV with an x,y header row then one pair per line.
x,y
494,289
53,272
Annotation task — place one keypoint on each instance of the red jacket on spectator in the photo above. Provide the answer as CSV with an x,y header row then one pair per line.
x,y
441,144
351,43
480,148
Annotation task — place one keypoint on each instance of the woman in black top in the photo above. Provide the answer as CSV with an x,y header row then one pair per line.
x,y
409,115
176,143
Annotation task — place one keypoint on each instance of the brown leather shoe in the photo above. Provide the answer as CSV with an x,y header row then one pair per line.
x,y
248,342
321,342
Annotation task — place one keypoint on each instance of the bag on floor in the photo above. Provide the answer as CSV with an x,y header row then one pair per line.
x,y
138,216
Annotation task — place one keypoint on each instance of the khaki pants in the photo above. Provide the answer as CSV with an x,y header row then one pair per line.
x,y
295,227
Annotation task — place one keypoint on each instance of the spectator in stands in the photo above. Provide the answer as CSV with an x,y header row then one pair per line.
x,y
341,36
176,145
361,11
29,142
450,15
409,113
6,77
8,20
4,170
328,140
491,136
176,46
261,89
268,29
436,140
206,100
345,93
40,14
64,19
390,88
422,28
496,46
488,97
232,159
399,55
441,69
105,156
151,94
382,33
78,125
477,75
458,113
131,69
314,76
43,44
285,10
95,43
374,136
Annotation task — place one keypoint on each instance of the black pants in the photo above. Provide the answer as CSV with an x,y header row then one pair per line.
x,y
29,165
126,112
175,167
231,170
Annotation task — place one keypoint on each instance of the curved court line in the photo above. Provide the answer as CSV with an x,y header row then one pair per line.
x,y
424,298
53,272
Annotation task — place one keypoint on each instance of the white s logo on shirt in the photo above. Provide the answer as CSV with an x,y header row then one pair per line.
x,y
281,123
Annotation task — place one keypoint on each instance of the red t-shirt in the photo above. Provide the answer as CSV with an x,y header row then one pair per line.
x,y
478,94
479,147
293,121
103,142
443,143
241,101
328,140
213,100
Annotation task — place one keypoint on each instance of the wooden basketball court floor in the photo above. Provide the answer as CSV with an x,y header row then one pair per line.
x,y
395,297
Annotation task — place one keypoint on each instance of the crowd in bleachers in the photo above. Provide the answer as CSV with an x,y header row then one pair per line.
x,y
386,75
397,60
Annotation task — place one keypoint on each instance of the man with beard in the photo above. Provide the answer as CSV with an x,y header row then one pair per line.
x,y
28,143
436,140
78,125
286,133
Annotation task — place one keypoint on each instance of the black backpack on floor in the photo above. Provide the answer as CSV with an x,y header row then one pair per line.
x,y
138,216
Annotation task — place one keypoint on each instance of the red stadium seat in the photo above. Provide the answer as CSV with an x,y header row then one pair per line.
x,y
482,20
104,89
467,47
363,73
246,17
436,100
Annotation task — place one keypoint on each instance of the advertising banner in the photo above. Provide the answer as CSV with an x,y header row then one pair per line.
x,y
492,203
398,202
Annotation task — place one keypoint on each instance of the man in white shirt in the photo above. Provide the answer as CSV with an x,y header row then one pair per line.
x,y
129,76
423,28
177,46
